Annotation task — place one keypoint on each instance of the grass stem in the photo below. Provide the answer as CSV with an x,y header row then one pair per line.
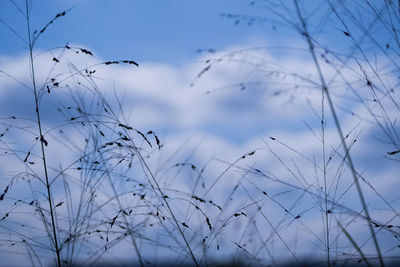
x,y
339,129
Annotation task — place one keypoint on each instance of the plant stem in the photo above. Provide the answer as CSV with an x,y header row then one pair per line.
x,y
339,129
124,216
153,179
325,172
354,244
32,70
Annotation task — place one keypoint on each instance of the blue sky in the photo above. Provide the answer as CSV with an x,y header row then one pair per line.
x,y
162,31
260,82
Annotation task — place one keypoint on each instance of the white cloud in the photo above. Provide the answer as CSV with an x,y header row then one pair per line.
x,y
233,122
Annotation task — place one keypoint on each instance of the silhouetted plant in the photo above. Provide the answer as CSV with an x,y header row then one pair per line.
x,y
362,74
83,181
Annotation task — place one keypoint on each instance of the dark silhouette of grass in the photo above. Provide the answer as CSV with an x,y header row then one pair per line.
x,y
100,196
310,28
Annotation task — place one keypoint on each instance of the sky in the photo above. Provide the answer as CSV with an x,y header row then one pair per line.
x,y
162,31
215,81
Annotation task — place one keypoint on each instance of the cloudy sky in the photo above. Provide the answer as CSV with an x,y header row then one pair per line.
x,y
216,80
